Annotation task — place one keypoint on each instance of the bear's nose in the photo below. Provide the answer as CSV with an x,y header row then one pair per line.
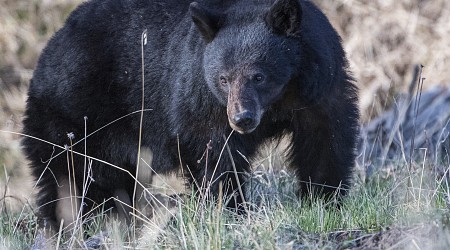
x,y
244,120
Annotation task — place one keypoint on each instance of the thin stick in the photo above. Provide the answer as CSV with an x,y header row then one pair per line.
x,y
416,112
237,179
59,233
143,43
220,155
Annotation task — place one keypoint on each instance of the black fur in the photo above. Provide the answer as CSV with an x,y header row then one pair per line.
x,y
264,68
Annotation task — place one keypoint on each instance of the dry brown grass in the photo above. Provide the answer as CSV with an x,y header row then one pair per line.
x,y
383,39
25,27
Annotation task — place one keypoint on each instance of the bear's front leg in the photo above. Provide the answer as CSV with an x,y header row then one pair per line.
x,y
220,173
322,153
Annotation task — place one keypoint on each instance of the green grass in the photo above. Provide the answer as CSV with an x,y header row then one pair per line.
x,y
399,209
371,207
17,230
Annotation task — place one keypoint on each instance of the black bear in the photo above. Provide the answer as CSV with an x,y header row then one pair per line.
x,y
221,78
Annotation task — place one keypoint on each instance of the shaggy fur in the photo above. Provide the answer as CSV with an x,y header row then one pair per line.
x,y
259,67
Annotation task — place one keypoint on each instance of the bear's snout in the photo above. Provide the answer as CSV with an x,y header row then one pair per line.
x,y
244,122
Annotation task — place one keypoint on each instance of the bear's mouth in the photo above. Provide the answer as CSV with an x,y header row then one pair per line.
x,y
245,121
242,130
244,126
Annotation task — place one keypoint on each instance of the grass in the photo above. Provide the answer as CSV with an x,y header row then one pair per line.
x,y
383,210
17,230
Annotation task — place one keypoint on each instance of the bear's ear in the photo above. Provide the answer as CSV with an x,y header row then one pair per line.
x,y
284,17
207,21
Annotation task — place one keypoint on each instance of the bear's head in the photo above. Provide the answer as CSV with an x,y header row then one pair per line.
x,y
251,56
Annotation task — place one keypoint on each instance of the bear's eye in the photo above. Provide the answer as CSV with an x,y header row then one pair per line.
x,y
258,78
223,81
